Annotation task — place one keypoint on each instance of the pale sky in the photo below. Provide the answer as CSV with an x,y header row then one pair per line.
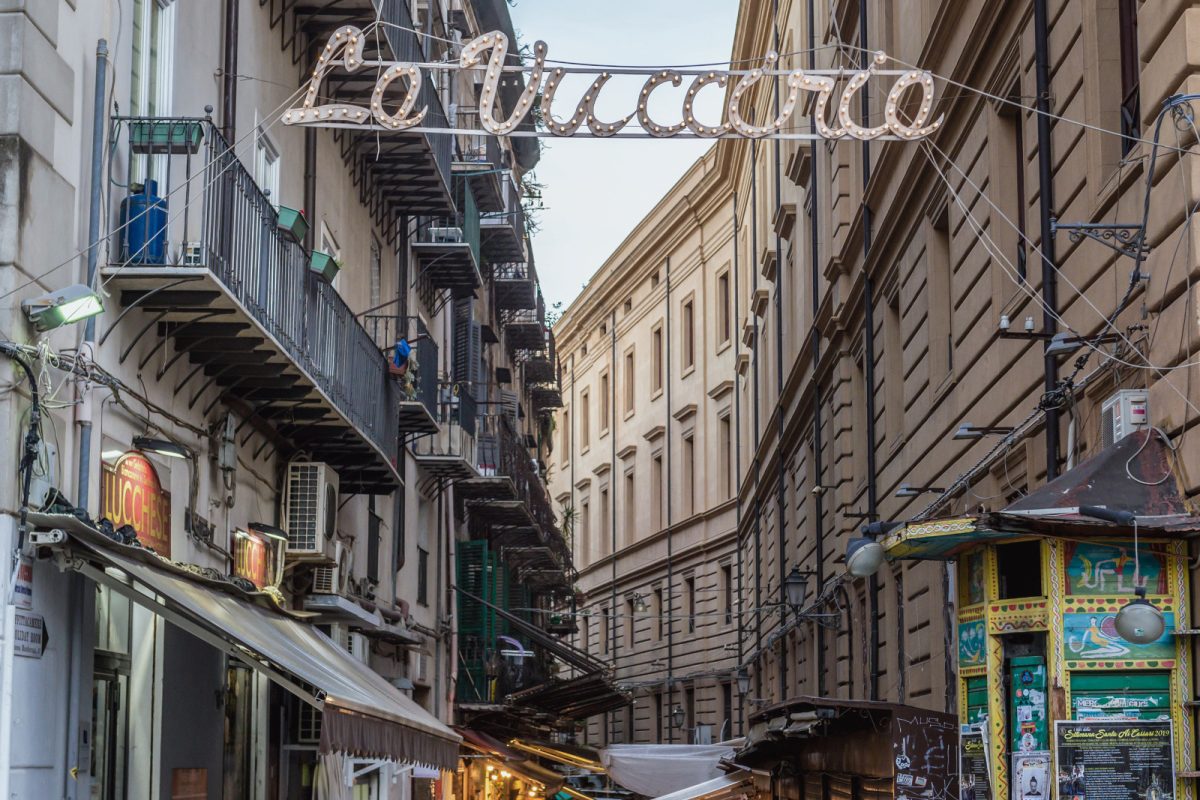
x,y
597,190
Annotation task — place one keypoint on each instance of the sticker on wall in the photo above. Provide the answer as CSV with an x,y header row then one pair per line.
x,y
972,641
1107,569
1091,635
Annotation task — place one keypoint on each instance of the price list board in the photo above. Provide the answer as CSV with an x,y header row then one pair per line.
x,y
1115,760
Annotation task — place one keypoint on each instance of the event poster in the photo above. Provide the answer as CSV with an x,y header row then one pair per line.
x,y
974,777
1030,776
1115,760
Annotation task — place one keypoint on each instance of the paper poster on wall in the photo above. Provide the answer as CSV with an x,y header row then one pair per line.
x,y
974,777
1030,776
1115,759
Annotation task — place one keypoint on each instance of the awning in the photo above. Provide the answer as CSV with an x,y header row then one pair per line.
x,y
716,789
363,715
659,769
568,755
488,745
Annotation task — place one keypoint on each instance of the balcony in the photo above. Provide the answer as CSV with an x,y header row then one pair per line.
x,y
508,501
419,385
503,231
447,252
514,286
479,162
449,454
411,172
208,270
525,329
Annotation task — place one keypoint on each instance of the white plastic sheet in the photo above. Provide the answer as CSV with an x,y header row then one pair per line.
x,y
710,790
659,769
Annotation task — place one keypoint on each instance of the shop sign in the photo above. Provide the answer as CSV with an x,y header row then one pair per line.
x,y
1030,776
256,557
132,495
1117,759
29,634
22,587
974,777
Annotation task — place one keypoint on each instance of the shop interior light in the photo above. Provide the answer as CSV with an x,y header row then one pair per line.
x,y
1139,621
55,309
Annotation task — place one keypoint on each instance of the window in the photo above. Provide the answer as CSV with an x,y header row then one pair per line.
x,y
726,731
422,576
604,623
153,58
660,611
725,431
893,370
689,709
656,492
1131,70
630,624
688,332
585,531
628,305
585,420
689,474
566,436
689,602
938,291
727,592
657,709
605,522
657,358
629,382
374,524
1019,567
604,403
723,323
266,166
1009,166
630,509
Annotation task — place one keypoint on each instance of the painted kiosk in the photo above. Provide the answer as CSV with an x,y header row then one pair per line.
x,y
1052,700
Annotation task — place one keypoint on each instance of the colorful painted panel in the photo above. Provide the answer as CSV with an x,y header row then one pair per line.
x,y
1095,568
1092,635
976,578
972,637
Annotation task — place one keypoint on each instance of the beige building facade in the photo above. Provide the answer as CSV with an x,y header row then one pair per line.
x,y
869,288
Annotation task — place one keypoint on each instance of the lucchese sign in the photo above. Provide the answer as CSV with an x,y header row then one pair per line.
x,y
345,49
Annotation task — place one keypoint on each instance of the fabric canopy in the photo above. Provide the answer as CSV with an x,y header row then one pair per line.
x,y
364,715
710,790
659,769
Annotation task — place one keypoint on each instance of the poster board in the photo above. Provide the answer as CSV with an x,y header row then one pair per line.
x,y
974,774
1115,759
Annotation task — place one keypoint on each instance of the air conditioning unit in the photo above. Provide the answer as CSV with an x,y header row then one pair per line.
x,y
420,668
1123,413
335,578
359,646
310,512
446,235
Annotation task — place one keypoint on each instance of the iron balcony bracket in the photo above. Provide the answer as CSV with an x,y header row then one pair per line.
x,y
1127,239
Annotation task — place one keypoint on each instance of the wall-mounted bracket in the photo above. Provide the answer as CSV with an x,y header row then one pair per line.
x,y
1125,238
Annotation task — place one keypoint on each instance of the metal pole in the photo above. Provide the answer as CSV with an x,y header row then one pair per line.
x,y
780,494
1046,204
612,499
737,468
670,592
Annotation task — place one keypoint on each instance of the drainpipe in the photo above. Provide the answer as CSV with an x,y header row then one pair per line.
x,y
1046,203
737,462
869,372
574,505
758,633
780,494
612,496
229,68
669,594
814,254
310,197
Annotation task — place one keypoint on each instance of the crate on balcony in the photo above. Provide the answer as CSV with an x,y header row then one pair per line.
x,y
293,223
324,266
173,137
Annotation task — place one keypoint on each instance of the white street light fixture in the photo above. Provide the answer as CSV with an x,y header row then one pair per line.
x,y
1139,621
63,307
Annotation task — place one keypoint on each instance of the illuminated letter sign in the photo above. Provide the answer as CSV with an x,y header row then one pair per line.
x,y
345,50
132,495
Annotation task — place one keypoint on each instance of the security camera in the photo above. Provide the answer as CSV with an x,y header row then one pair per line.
x,y
46,538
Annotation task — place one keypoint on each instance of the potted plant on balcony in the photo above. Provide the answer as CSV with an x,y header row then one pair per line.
x,y
325,266
293,222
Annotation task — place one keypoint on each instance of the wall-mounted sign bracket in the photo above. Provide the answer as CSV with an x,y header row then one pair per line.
x,y
1127,239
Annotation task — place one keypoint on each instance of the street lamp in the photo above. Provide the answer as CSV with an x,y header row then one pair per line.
x,y
864,554
677,717
795,586
1139,621
743,681
169,449
55,309
640,606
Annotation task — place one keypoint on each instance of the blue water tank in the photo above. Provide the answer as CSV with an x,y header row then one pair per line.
x,y
144,226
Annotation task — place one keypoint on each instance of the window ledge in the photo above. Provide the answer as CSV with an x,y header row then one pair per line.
x,y
687,371
657,393
725,345
629,414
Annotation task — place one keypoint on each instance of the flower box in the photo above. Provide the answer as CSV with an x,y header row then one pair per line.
x,y
293,223
174,137
323,265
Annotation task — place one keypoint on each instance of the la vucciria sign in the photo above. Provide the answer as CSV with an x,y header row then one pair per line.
x,y
344,50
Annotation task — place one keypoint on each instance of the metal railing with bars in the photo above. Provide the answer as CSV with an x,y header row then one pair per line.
x,y
513,213
457,415
386,330
230,227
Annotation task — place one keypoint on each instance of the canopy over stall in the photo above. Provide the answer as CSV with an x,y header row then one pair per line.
x,y
659,769
363,714
726,786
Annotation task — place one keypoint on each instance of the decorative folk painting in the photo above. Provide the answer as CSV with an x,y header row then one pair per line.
x,y
1098,568
972,644
1091,635
976,578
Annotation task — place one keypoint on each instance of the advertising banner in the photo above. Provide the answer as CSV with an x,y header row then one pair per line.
x,y
1115,760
